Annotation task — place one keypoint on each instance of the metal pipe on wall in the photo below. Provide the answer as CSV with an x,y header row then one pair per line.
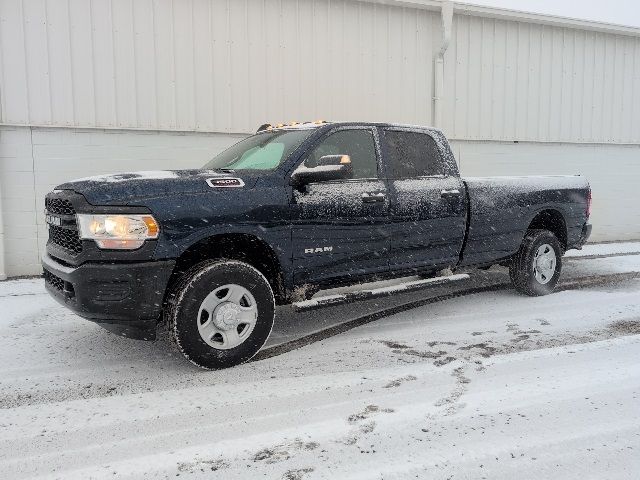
x,y
446,15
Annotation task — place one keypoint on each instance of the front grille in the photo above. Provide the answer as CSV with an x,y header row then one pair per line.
x,y
66,238
59,206
53,280
66,234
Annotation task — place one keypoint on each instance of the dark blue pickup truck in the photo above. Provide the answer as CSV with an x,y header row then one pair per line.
x,y
285,212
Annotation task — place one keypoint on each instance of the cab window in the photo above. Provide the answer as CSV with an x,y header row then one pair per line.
x,y
358,144
412,154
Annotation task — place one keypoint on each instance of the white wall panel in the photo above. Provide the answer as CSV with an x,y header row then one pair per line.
x,y
229,65
213,65
510,80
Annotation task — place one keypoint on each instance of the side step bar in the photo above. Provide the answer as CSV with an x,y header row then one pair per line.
x,y
365,294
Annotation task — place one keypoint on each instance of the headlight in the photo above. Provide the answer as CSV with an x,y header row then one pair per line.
x,y
118,232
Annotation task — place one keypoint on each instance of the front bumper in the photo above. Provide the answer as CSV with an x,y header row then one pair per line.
x,y
127,294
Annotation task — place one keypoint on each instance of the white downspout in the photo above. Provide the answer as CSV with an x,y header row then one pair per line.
x,y
447,19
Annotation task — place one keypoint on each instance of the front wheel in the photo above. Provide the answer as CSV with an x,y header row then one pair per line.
x,y
221,313
535,269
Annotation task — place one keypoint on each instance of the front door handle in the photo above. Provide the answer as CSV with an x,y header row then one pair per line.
x,y
373,197
453,193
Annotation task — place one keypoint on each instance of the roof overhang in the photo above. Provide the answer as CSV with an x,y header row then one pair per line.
x,y
515,15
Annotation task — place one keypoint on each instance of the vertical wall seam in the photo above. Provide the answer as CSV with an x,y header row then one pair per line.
x,y
229,62
248,52
539,106
416,77
584,64
530,86
518,88
613,87
551,62
572,83
604,79
468,83
505,80
634,80
481,80
155,60
113,61
48,59
93,64
71,66
213,68
173,121
26,64
35,196
562,92
194,119
593,85
298,59
492,85
136,89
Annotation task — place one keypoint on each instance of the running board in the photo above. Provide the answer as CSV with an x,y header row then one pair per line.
x,y
329,300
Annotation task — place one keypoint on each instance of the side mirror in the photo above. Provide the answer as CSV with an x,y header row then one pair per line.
x,y
330,167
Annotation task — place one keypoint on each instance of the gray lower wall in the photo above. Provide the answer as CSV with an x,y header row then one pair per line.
x,y
612,170
34,160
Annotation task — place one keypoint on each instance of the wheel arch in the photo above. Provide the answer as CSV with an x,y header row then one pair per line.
x,y
244,247
553,220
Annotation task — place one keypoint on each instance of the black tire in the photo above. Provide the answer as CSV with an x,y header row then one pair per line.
x,y
521,269
185,299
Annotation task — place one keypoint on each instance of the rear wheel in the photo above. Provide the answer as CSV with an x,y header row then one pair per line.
x,y
536,268
221,313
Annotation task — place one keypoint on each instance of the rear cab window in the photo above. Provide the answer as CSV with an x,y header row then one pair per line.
x,y
410,154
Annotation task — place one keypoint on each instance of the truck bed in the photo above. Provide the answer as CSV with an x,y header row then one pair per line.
x,y
501,208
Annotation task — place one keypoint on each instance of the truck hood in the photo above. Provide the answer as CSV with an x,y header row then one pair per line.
x,y
126,188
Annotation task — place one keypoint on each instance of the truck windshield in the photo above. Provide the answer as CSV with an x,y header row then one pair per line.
x,y
264,151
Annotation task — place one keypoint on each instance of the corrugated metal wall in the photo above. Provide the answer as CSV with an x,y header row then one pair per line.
x,y
230,65
213,65
524,81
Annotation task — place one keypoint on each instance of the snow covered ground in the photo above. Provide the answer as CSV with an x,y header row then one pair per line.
x,y
617,248
486,385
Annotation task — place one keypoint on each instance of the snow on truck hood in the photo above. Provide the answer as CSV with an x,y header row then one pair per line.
x,y
121,188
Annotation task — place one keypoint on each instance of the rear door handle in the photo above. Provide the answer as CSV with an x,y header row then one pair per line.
x,y
450,193
373,197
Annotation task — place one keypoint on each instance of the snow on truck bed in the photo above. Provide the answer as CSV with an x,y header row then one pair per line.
x,y
491,385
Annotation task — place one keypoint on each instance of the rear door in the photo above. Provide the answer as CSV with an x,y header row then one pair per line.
x,y
339,227
428,205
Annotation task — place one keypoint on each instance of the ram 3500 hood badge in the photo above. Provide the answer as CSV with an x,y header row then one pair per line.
x,y
225,182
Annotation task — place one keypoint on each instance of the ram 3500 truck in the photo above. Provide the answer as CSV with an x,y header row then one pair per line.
x,y
285,212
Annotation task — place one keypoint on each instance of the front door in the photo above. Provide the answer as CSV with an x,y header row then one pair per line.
x,y
339,226
428,205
